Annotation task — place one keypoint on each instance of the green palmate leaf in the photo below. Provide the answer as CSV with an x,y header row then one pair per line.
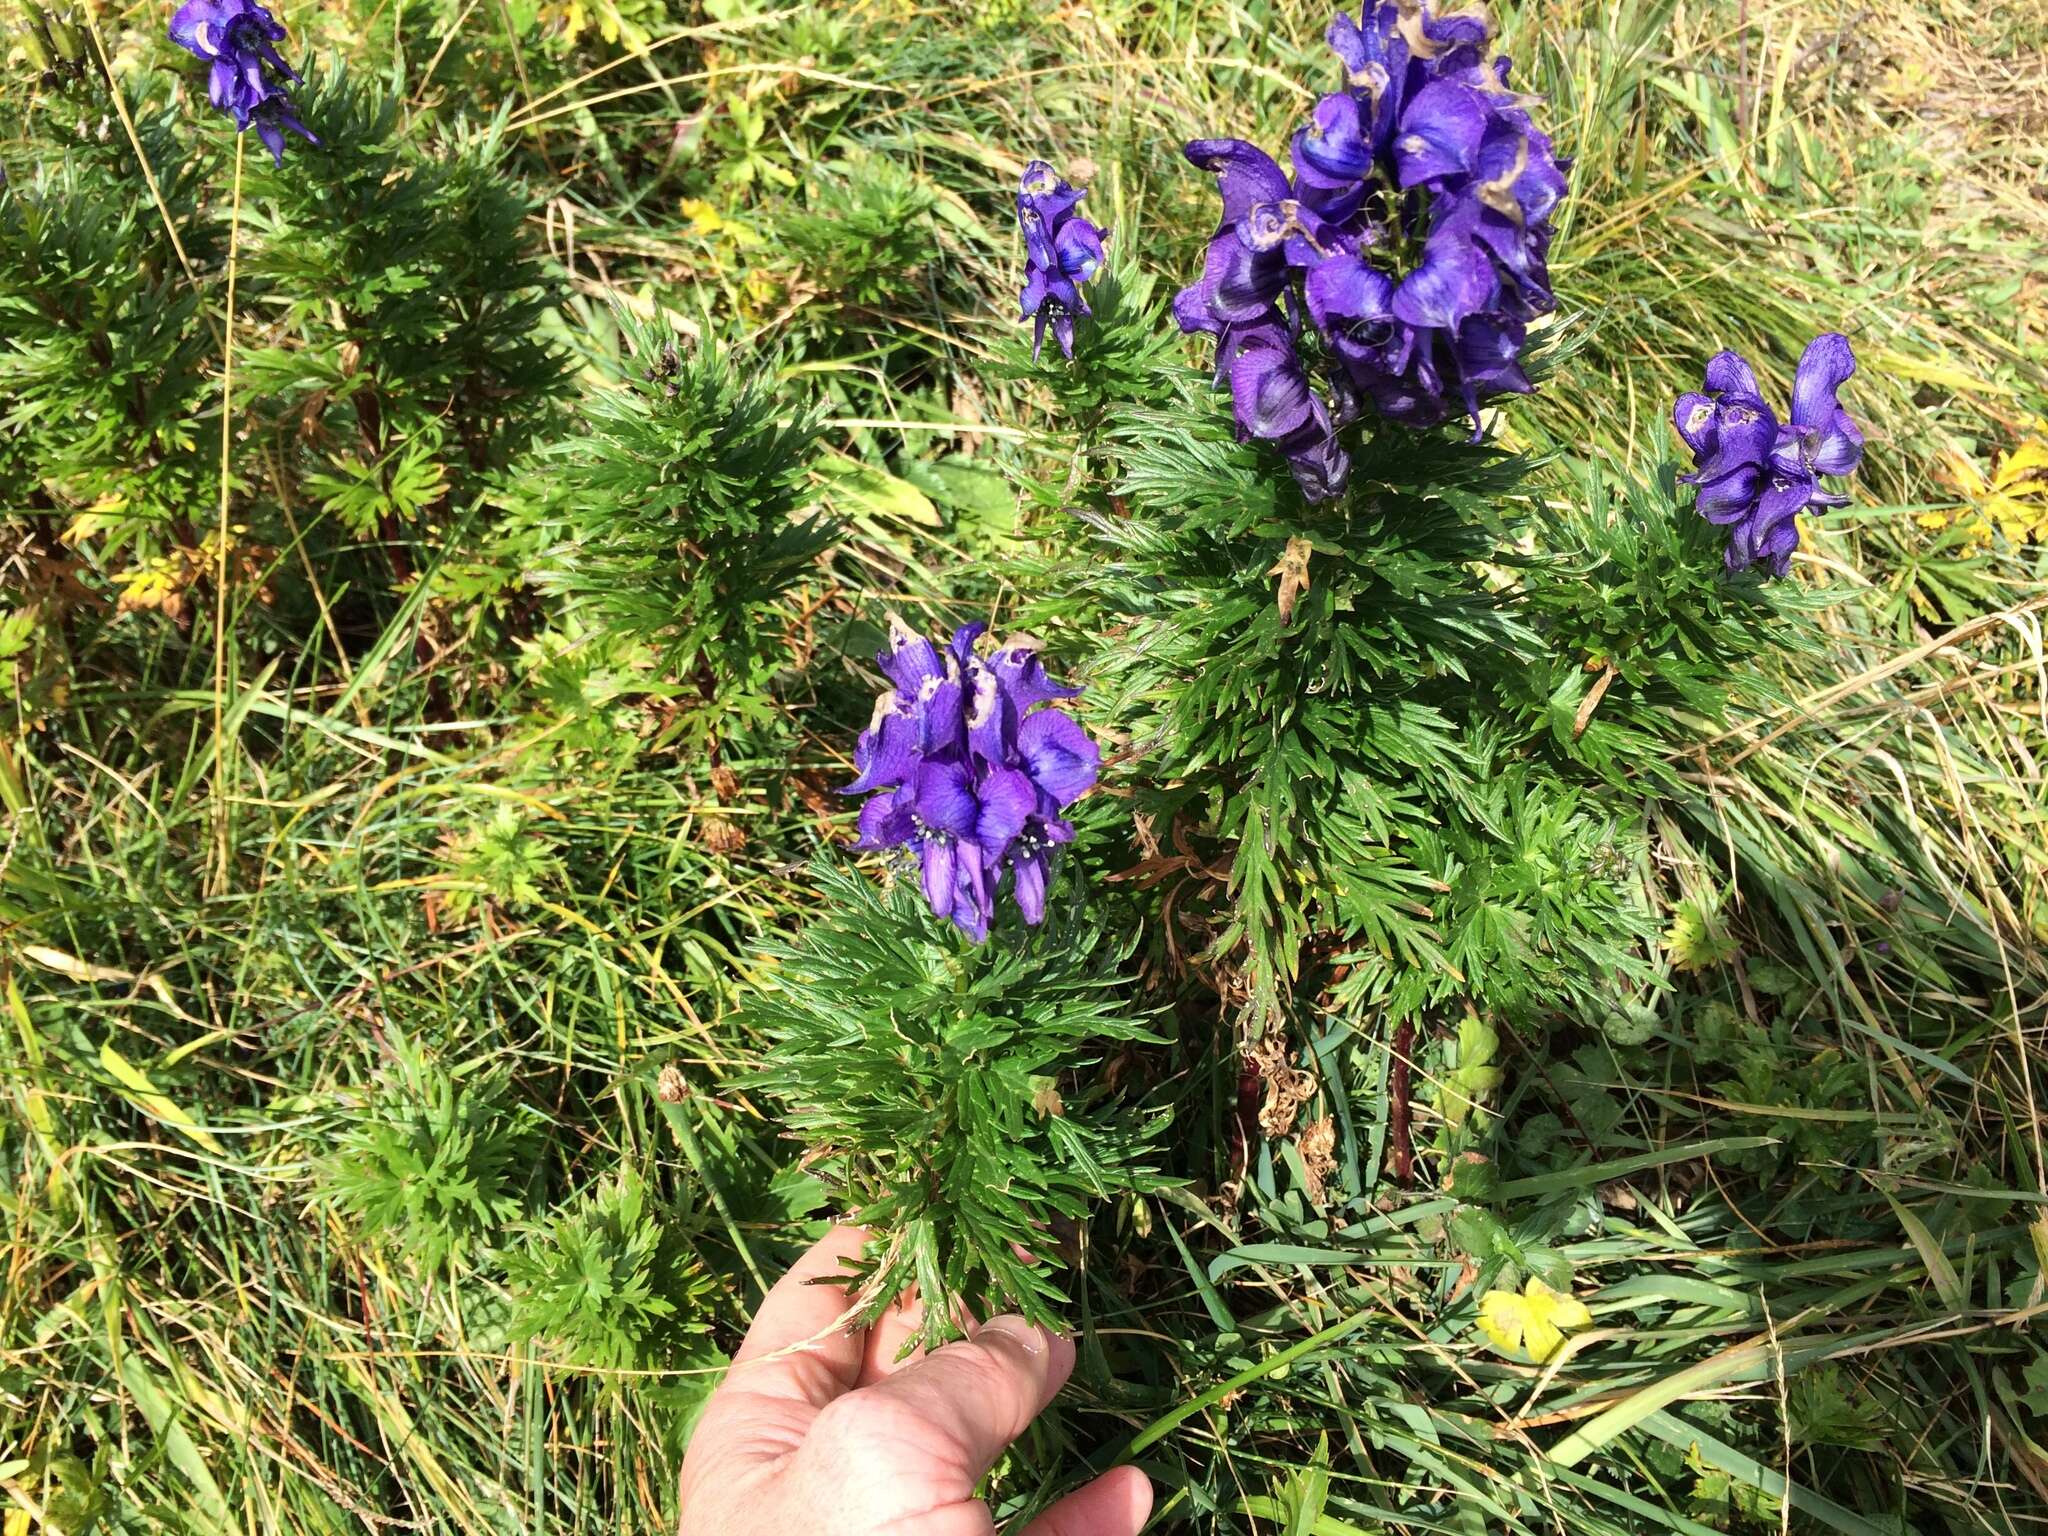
x,y
610,1282
432,1168
1468,1083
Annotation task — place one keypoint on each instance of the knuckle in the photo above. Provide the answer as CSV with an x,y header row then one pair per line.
x,y
1000,1373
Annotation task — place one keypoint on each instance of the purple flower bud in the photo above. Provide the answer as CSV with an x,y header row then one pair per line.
x,y
1062,250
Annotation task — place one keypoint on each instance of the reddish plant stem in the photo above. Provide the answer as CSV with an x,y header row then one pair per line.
x,y
1400,1084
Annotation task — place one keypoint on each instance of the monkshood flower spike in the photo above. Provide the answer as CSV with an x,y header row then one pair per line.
x,y
1754,474
1412,238
968,771
237,38
1062,250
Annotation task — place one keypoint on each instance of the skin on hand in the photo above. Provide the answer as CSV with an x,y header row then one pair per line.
x,y
818,1429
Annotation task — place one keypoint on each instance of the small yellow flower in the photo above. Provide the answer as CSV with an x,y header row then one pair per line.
x,y
1534,1323
2013,499
704,219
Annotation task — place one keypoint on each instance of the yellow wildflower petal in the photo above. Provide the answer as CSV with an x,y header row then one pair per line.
x,y
2030,455
1534,1323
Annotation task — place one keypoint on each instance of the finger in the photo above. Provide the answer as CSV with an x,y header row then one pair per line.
x,y
977,1395
1115,1504
886,1338
803,1342
889,1333
800,1353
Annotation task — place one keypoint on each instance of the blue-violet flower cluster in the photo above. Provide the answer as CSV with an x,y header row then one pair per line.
x,y
1062,250
1412,238
1756,476
236,37
972,773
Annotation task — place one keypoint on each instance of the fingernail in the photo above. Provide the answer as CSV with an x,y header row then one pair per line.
x,y
1029,1337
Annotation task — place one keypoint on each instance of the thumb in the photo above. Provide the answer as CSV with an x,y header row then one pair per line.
x,y
978,1395
1115,1504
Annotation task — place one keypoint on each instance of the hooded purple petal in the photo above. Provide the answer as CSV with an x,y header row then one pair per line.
x,y
1269,392
991,718
197,27
1245,174
1335,148
1728,374
1058,755
1440,133
970,779
886,754
246,75
1694,416
1454,281
1021,672
1745,431
910,660
1829,442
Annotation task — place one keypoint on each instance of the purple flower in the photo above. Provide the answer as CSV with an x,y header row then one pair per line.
x,y
236,38
972,772
1755,475
1062,250
1413,237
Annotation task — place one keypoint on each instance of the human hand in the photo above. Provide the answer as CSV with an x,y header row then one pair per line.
x,y
818,1430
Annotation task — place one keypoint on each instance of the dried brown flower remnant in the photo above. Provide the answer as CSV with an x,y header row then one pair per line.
x,y
1318,1147
721,836
1292,569
1287,1087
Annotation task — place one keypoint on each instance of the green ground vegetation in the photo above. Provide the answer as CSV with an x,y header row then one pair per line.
x,y
438,582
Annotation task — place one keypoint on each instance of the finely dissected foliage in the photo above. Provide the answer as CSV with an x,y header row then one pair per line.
x,y
609,1283
1650,646
953,1091
683,516
1124,347
1344,696
433,1166
405,276
864,233
104,400
1298,677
